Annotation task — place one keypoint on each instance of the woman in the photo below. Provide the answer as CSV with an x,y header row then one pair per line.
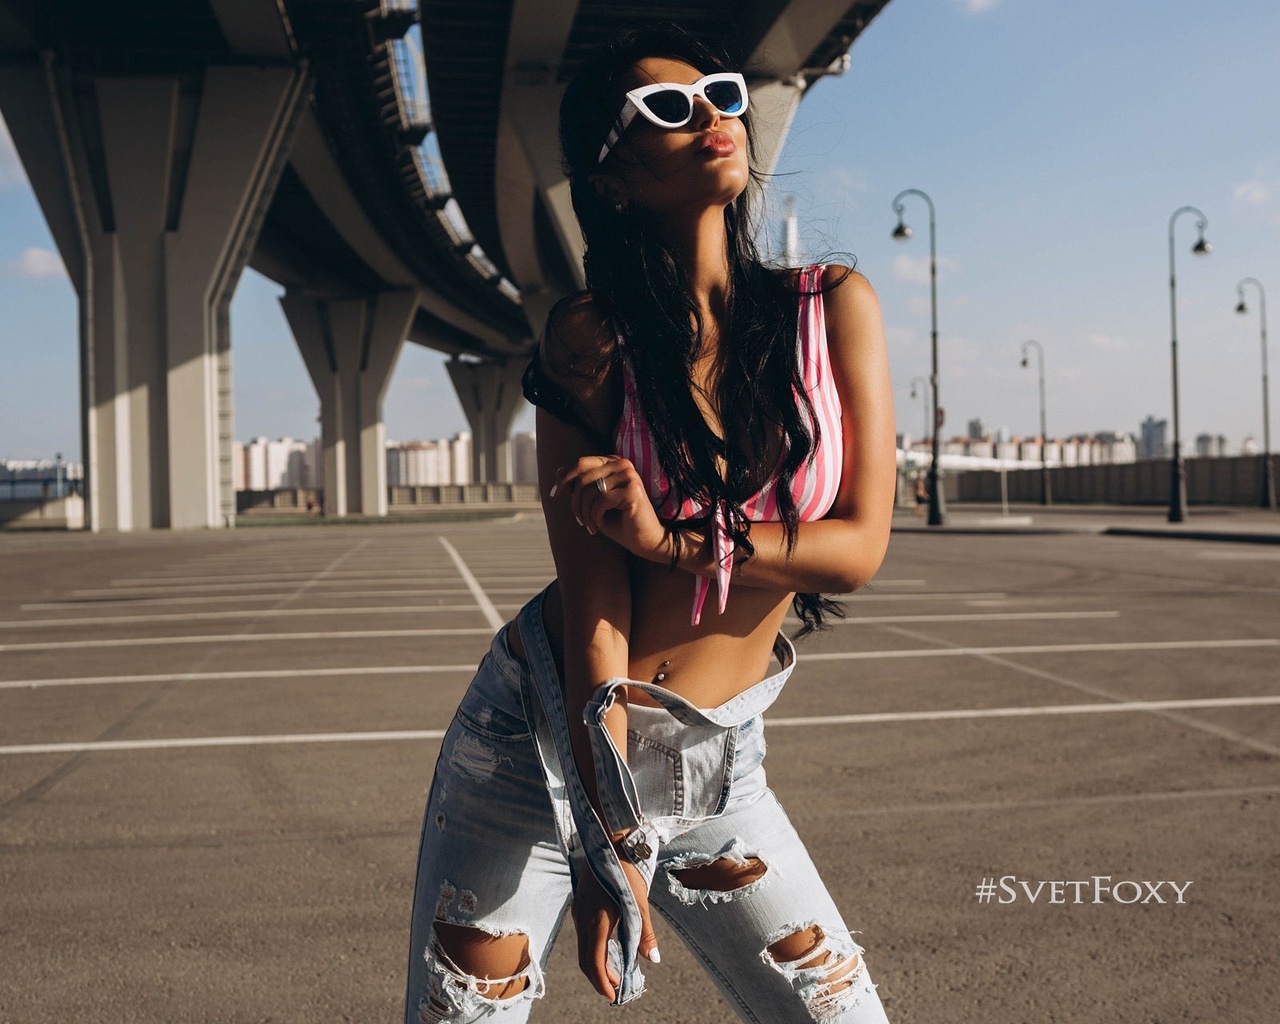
x,y
704,423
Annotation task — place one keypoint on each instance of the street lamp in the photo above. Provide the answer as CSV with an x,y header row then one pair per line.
x,y
901,233
1268,472
1045,497
924,395
1178,484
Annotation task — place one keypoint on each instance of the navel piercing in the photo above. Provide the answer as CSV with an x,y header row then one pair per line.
x,y
661,675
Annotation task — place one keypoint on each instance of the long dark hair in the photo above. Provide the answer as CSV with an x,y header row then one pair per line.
x,y
642,288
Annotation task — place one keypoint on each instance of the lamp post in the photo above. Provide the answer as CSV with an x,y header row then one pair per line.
x,y
924,395
1177,482
1268,472
1045,497
901,233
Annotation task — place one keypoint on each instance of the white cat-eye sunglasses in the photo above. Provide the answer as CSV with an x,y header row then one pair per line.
x,y
670,104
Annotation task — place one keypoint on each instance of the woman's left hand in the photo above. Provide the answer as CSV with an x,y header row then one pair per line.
x,y
619,507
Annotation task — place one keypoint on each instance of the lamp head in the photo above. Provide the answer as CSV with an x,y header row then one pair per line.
x,y
1024,362
913,391
901,233
1242,307
1202,248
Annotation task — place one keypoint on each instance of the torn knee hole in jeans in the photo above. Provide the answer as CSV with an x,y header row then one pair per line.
x,y
826,971
457,994
729,874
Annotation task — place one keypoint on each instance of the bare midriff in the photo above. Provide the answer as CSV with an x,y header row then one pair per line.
x,y
706,664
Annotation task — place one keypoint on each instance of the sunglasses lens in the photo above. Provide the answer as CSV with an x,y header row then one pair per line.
x,y
669,105
726,96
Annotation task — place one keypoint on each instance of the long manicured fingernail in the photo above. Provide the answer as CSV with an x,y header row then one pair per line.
x,y
554,488
580,522
655,956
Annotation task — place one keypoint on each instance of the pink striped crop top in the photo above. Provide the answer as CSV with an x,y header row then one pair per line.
x,y
814,486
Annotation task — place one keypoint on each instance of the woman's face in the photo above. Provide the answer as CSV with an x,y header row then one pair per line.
x,y
670,169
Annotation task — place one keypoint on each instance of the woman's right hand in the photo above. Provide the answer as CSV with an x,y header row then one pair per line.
x,y
621,511
595,915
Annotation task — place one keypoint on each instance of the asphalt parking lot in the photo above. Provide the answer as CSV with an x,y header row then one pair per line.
x,y
215,749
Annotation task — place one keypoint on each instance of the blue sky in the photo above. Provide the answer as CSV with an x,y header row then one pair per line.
x,y
1055,140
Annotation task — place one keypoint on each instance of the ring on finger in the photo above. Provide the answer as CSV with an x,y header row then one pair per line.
x,y
602,485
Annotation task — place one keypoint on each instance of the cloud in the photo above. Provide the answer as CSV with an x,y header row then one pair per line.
x,y
1108,343
979,6
905,268
1255,192
34,263
842,179
11,173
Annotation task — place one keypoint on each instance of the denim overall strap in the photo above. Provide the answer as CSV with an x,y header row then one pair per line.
x,y
551,734
618,794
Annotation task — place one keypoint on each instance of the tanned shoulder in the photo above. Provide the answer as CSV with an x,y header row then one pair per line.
x,y
577,349
849,302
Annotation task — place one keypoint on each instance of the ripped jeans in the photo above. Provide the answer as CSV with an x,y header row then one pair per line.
x,y
500,851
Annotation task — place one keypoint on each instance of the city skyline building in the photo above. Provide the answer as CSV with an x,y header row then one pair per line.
x,y
1210,445
1101,448
281,464
264,464
1153,444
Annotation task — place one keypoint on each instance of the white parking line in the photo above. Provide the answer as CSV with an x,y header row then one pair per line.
x,y
163,584
242,638
221,741
924,652
482,599
266,583
261,673
435,734
1098,691
88,604
953,652
1023,712
251,613
863,596
142,602
873,620
1055,802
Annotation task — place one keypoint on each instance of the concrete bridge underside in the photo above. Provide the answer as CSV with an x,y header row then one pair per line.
x,y
169,146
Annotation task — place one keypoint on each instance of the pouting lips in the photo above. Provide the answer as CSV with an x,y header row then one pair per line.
x,y
718,142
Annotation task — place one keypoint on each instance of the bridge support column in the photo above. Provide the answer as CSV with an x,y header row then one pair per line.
x,y
350,346
154,189
490,395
